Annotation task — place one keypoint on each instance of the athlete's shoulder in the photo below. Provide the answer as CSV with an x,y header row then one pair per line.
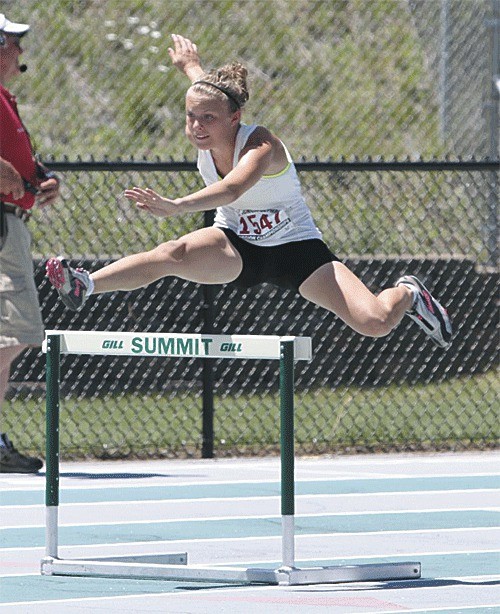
x,y
261,136
261,133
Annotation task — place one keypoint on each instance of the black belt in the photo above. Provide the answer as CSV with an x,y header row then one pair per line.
x,y
22,214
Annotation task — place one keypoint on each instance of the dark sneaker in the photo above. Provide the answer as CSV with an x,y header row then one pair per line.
x,y
430,315
72,284
12,461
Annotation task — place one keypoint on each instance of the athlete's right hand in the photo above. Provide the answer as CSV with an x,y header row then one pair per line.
x,y
148,200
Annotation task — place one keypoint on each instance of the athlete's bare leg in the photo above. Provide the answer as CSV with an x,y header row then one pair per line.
x,y
334,287
204,256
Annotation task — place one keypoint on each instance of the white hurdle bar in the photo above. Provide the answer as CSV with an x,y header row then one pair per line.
x,y
174,566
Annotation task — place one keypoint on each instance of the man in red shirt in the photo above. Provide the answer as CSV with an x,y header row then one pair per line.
x,y
24,184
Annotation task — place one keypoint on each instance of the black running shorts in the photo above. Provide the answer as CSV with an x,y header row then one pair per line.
x,y
287,265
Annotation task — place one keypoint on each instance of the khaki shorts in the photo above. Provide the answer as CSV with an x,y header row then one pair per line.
x,y
20,317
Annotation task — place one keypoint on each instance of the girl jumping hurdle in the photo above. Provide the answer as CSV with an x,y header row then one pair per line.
x,y
263,229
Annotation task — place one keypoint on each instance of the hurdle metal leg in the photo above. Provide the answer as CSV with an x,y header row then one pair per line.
x,y
51,564
173,566
52,447
288,573
287,445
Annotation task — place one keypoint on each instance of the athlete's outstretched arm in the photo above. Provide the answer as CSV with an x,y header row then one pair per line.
x,y
251,167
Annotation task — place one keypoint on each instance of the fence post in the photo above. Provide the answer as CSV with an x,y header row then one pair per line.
x,y
207,445
492,118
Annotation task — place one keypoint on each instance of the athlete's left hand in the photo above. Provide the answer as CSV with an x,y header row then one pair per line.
x,y
148,200
184,56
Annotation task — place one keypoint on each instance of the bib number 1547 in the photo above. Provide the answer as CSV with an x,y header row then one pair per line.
x,y
260,223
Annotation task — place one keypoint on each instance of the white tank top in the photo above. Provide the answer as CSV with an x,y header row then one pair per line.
x,y
271,212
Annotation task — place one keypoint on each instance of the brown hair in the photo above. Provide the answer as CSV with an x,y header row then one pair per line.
x,y
229,82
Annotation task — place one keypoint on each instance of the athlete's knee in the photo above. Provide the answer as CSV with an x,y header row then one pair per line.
x,y
377,324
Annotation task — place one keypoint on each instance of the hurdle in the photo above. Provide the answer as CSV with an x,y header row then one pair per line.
x,y
174,566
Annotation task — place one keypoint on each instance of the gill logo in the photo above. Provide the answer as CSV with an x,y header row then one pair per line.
x,y
230,347
112,344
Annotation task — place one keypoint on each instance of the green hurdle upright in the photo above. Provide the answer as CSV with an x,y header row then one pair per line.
x,y
173,566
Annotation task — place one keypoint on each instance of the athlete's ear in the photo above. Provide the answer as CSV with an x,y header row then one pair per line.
x,y
236,118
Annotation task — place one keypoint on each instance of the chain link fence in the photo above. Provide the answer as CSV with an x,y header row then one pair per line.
x,y
335,79
394,393
389,78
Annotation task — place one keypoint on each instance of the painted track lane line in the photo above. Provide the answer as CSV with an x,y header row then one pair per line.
x,y
158,509
341,483
177,539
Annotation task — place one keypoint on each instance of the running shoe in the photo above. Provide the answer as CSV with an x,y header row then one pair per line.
x,y
432,317
71,284
12,461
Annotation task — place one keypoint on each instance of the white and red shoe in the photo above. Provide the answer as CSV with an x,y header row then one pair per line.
x,y
428,313
71,284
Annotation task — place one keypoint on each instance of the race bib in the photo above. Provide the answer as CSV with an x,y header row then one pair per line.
x,y
259,225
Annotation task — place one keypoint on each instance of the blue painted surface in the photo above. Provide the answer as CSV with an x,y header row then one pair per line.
x,y
250,527
245,489
441,573
434,567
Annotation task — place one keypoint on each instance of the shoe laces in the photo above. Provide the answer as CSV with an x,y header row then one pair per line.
x,y
8,443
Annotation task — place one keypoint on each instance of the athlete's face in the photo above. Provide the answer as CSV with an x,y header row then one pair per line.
x,y
209,121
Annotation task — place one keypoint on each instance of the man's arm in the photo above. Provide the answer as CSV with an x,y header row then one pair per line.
x,y
11,181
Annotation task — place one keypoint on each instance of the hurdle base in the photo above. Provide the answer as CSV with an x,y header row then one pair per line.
x,y
137,567
340,574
